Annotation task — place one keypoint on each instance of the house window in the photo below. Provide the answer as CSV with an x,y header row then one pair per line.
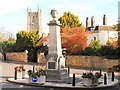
x,y
95,38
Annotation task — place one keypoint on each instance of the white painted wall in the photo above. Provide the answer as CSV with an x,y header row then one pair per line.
x,y
103,36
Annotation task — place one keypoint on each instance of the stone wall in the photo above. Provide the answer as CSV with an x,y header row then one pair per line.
x,y
17,56
86,61
91,61
41,59
1,56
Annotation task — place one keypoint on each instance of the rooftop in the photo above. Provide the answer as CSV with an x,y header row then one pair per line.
x,y
101,28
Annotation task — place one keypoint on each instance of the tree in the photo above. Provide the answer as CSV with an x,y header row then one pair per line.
x,y
6,41
92,49
6,36
3,35
69,20
117,27
8,46
43,41
95,44
27,41
118,39
10,37
112,43
74,39
42,44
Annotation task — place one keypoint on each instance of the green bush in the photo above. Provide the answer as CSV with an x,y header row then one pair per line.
x,y
105,51
8,46
89,51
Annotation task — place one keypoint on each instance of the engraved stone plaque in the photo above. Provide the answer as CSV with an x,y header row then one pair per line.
x,y
51,65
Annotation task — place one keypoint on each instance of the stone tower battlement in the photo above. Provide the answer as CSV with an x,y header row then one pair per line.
x,y
34,20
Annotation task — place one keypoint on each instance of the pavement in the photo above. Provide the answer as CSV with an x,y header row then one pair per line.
x,y
78,85
8,72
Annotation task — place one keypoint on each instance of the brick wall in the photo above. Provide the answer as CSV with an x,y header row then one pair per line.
x,y
86,61
17,56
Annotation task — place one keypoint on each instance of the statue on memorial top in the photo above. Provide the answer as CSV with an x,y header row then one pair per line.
x,y
54,13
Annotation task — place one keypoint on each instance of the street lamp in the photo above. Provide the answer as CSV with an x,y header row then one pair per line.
x,y
64,53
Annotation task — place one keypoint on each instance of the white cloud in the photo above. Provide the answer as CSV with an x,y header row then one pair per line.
x,y
7,6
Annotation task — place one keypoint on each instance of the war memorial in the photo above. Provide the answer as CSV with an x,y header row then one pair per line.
x,y
56,75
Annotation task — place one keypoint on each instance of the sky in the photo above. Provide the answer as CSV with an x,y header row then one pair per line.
x,y
13,13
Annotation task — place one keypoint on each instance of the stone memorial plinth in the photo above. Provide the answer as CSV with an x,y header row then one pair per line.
x,y
55,60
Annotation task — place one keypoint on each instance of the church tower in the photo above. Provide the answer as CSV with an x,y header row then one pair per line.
x,y
34,21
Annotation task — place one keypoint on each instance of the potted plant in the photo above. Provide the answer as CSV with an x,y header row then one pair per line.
x,y
87,79
32,76
90,78
38,76
20,71
109,72
116,67
41,76
95,78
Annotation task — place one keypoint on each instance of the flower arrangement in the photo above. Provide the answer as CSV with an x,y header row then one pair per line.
x,y
20,68
97,75
30,72
40,71
90,75
90,78
109,70
38,75
87,75
116,67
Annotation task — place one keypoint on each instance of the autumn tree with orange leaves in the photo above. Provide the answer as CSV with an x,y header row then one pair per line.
x,y
74,39
113,43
